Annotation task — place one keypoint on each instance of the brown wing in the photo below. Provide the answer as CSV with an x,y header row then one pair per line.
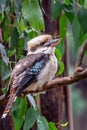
x,y
26,70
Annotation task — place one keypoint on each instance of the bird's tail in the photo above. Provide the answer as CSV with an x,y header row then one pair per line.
x,y
9,105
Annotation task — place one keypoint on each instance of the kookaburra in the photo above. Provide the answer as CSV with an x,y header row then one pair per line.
x,y
35,69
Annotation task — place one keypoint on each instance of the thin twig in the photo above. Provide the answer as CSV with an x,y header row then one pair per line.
x,y
81,54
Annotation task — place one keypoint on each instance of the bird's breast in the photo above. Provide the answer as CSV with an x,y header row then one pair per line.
x,y
48,72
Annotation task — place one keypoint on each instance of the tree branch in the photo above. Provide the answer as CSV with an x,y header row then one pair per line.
x,y
81,54
58,82
63,81
80,73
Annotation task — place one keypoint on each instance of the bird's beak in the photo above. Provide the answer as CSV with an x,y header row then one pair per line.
x,y
52,42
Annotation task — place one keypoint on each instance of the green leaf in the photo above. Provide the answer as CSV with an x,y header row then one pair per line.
x,y
81,2
20,48
31,117
32,33
3,54
70,11
2,67
56,8
67,2
85,4
14,38
76,29
52,126
2,22
6,28
32,13
0,18
63,25
61,67
17,4
58,54
7,73
82,16
19,108
5,89
11,52
22,25
42,123
61,47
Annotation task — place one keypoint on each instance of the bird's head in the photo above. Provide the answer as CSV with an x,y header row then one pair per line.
x,y
42,44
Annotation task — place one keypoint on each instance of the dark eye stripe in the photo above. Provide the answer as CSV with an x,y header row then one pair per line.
x,y
35,47
41,43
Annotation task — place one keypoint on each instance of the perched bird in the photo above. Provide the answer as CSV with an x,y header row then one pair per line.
x,y
35,69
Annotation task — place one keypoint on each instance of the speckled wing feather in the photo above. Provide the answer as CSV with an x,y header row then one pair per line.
x,y
26,71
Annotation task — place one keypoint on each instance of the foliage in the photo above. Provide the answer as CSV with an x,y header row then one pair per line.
x,y
21,20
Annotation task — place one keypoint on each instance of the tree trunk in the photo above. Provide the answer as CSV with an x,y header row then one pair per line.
x,y
52,103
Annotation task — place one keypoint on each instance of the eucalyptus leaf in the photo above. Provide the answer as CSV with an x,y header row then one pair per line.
x,y
61,48
52,126
11,52
3,67
5,89
22,25
32,13
70,11
20,48
61,68
67,2
58,54
81,2
63,22
6,28
3,54
82,16
31,117
32,33
19,108
42,123
14,38
7,73
76,29
56,8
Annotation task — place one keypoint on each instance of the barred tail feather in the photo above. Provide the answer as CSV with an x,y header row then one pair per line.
x,y
9,105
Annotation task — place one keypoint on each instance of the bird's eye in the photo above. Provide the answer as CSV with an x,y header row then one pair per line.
x,y
42,43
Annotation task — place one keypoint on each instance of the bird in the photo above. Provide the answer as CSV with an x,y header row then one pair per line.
x,y
38,67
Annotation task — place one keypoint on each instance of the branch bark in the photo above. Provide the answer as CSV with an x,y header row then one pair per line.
x,y
63,81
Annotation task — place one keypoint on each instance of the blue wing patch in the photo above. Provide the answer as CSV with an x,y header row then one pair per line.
x,y
35,70
30,74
